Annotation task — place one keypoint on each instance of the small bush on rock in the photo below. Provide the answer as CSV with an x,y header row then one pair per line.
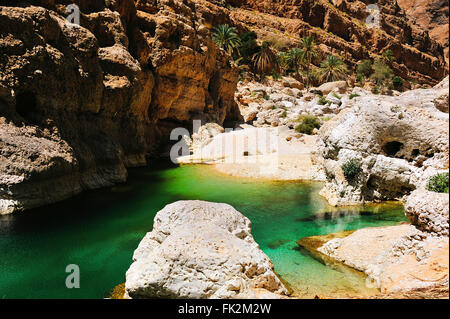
x,y
307,125
351,168
438,183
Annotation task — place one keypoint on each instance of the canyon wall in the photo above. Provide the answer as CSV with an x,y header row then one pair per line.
x,y
431,15
80,103
339,26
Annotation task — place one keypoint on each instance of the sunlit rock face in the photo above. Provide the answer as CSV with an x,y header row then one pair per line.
x,y
342,28
80,103
200,249
399,147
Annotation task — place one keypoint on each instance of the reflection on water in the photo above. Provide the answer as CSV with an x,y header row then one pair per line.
x,y
99,231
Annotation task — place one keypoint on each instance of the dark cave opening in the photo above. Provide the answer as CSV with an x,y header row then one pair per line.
x,y
392,148
26,104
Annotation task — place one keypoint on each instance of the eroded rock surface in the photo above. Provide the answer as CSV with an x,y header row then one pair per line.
x,y
201,249
80,103
399,141
395,258
428,211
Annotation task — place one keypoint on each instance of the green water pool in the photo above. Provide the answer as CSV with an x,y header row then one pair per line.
x,y
99,230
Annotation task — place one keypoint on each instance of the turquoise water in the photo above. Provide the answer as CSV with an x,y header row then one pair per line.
x,y
99,231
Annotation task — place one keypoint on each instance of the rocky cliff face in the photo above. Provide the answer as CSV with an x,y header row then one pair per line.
x,y
79,103
432,16
340,27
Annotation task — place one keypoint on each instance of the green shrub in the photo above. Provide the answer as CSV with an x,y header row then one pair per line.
x,y
438,183
360,78
351,168
364,68
353,95
323,100
397,82
376,90
307,125
337,95
284,114
276,75
381,73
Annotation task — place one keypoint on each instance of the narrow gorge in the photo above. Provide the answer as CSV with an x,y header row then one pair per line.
x,y
311,130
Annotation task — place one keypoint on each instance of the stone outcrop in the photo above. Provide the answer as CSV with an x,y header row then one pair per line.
x,y
80,103
396,258
399,141
428,211
200,249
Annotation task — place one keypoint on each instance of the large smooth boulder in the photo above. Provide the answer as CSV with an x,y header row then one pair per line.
x,y
428,211
200,249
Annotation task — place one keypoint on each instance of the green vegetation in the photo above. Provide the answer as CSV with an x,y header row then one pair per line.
x,y
274,57
364,68
308,124
264,61
248,46
323,100
387,57
381,73
353,95
310,52
397,82
226,38
332,69
438,183
351,169
336,95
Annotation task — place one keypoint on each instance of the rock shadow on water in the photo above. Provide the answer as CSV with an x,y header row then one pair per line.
x,y
277,243
331,215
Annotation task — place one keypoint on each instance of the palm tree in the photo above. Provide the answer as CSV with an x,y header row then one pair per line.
x,y
226,38
309,53
295,58
332,69
265,60
283,61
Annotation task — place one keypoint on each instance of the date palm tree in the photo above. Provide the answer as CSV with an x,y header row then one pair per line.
x,y
310,52
226,38
332,69
265,61
295,58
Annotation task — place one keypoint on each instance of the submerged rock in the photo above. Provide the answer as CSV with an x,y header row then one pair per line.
x,y
201,249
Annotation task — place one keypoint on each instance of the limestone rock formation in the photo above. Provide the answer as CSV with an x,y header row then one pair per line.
x,y
200,249
399,142
395,258
80,103
428,211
